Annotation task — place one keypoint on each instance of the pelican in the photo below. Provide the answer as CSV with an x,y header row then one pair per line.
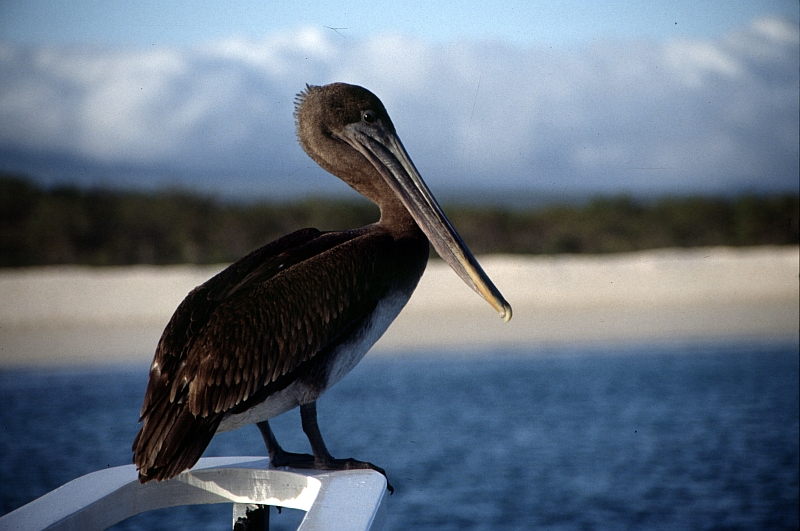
x,y
280,326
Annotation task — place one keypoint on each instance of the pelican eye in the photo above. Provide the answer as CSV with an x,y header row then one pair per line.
x,y
369,117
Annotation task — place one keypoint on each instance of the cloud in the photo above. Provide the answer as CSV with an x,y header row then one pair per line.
x,y
641,117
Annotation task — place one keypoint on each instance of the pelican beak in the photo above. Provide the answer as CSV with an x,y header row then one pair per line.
x,y
383,149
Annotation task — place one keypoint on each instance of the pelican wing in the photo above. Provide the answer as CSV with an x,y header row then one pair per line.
x,y
261,338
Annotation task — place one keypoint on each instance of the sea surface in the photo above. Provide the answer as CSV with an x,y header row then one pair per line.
x,y
679,436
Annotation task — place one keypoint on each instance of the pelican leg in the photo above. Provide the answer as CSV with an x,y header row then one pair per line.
x,y
322,458
280,457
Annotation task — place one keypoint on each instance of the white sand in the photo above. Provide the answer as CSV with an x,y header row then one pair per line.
x,y
78,314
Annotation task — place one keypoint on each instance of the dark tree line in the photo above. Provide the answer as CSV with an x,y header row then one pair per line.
x,y
621,224
70,225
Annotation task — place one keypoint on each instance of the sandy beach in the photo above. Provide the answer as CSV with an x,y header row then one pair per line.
x,y
69,315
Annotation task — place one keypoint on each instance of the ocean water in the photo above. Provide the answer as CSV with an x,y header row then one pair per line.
x,y
648,437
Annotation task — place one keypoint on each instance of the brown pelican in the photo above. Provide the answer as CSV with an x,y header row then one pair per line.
x,y
278,327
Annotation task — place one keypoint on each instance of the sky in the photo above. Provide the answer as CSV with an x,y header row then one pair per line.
x,y
491,99
556,22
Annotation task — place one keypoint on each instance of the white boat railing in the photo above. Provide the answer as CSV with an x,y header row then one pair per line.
x,y
341,500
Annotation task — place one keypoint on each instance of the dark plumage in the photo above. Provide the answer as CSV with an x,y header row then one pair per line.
x,y
274,330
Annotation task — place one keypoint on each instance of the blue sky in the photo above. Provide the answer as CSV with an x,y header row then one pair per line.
x,y
551,98
555,22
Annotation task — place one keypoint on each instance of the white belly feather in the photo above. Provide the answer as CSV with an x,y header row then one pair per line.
x,y
344,358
